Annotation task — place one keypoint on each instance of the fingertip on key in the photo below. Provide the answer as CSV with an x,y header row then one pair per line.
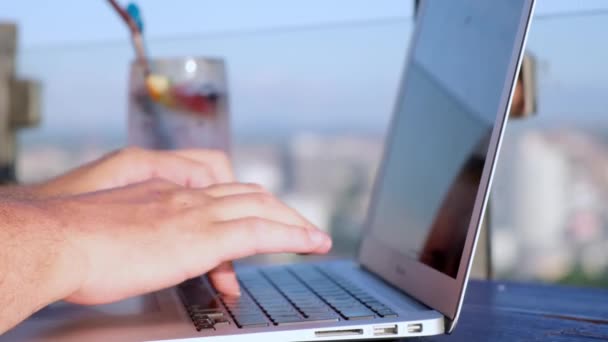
x,y
317,237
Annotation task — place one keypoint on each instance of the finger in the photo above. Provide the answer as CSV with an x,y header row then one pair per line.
x,y
229,189
324,249
138,165
183,171
261,205
309,223
217,160
223,278
186,197
155,186
250,236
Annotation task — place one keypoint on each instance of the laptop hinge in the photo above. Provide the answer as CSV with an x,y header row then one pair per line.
x,y
449,324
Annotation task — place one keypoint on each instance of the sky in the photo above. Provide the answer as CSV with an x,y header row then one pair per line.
x,y
72,21
91,20
304,63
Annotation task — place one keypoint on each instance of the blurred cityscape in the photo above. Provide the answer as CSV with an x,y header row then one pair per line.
x,y
549,217
549,221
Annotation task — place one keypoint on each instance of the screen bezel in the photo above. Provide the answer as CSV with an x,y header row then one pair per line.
x,y
431,287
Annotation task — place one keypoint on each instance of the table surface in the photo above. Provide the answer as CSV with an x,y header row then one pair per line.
x,y
507,311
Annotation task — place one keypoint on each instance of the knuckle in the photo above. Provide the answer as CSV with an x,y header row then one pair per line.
x,y
223,161
255,187
210,189
215,204
219,156
254,225
129,151
179,198
263,199
158,185
206,170
204,173
157,181
127,154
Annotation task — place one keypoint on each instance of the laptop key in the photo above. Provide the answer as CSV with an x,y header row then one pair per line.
x,y
302,295
350,307
203,324
245,313
323,320
317,311
308,302
273,306
386,313
241,304
251,321
220,322
215,315
357,314
199,316
272,315
373,304
253,324
249,315
286,319
320,307
323,316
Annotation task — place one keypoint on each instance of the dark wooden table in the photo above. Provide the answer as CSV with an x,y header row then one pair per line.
x,y
506,311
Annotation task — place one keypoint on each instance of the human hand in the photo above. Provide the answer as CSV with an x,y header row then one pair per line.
x,y
190,168
151,235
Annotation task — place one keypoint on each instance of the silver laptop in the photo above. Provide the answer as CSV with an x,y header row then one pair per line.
x,y
416,252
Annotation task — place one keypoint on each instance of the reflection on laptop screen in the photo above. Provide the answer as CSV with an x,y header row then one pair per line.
x,y
448,106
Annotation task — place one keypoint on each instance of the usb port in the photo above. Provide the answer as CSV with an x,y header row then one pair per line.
x,y
414,328
385,330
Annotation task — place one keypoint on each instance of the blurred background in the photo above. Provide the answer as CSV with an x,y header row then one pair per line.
x,y
311,89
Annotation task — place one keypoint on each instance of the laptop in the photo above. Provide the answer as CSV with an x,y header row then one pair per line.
x,y
411,273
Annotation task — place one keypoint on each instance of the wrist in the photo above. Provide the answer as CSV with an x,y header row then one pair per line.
x,y
17,192
67,263
41,264
64,185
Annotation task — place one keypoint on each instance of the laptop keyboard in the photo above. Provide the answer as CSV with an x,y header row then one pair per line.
x,y
282,296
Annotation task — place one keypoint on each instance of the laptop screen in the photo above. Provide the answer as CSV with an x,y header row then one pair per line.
x,y
445,116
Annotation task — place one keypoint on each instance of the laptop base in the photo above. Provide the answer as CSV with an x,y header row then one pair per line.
x,y
162,316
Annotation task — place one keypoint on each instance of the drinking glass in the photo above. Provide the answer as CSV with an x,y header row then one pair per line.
x,y
191,111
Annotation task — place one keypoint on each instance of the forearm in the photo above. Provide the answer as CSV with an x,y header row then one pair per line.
x,y
36,267
16,192
35,191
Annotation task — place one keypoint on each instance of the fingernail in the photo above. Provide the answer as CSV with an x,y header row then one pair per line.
x,y
328,244
317,237
235,293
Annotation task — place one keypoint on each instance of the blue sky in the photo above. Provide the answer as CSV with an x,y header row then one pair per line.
x,y
91,20
78,20
335,76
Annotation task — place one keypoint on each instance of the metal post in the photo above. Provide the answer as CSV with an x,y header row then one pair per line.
x,y
416,7
19,103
